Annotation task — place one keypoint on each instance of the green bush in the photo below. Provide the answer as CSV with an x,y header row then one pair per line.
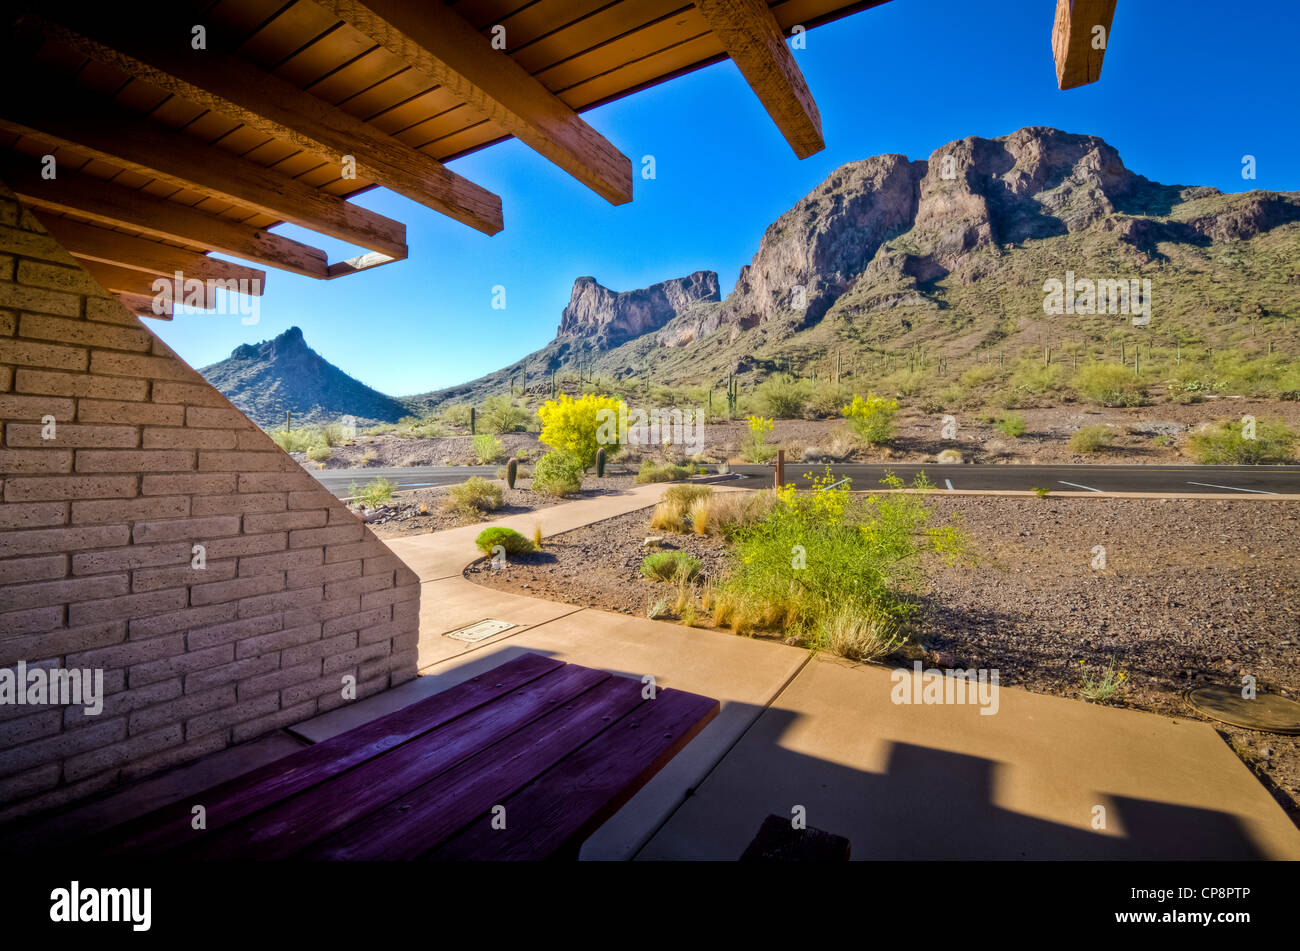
x,y
319,453
872,419
652,471
1109,384
473,497
558,473
457,416
507,538
488,449
1010,424
1091,438
782,396
374,494
827,399
670,566
833,570
686,494
1226,444
500,414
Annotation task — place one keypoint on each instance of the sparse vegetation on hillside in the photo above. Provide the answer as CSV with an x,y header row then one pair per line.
x,y
1227,443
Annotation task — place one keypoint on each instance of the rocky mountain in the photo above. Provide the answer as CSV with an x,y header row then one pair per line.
x,y
266,379
949,254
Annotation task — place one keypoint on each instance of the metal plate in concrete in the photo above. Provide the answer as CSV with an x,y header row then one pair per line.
x,y
480,631
1267,712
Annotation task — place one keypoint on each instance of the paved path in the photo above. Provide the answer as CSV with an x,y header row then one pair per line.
x,y
340,481
900,781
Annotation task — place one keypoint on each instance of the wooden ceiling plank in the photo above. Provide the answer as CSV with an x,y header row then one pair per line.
x,y
123,280
225,83
143,306
149,149
749,33
437,42
113,204
1079,37
90,243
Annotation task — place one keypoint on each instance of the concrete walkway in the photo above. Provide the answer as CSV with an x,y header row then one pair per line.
x,y
1044,777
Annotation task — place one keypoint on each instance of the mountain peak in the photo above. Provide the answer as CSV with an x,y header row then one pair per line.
x,y
607,318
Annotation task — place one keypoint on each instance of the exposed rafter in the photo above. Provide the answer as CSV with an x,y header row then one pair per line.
x,y
90,243
1079,39
159,53
440,44
114,205
752,38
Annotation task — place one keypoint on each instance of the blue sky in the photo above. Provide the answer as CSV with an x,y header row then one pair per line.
x,y
1188,88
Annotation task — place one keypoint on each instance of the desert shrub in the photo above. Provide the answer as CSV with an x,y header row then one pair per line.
x,y
581,426
501,414
905,383
670,566
979,375
1226,444
872,419
1010,424
833,569
507,538
1109,384
652,471
1030,376
1103,688
473,497
374,493
488,449
949,457
725,513
783,396
297,440
319,453
457,415
827,398
668,516
754,447
956,397
558,473
1091,438
686,494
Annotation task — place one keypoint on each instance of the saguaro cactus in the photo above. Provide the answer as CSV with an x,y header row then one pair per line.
x,y
600,463
512,471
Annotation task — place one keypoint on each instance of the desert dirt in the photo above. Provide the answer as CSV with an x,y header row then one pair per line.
x,y
1193,592
1148,434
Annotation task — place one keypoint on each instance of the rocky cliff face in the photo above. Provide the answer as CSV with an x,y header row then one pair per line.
x,y
606,318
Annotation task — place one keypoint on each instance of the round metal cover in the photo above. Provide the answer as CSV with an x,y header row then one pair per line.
x,y
1268,712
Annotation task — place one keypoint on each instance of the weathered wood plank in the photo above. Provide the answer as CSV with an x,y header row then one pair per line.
x,y
556,813
294,824
169,827
440,44
414,823
1080,35
751,36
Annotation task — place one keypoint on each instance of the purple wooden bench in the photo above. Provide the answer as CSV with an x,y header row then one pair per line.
x,y
560,747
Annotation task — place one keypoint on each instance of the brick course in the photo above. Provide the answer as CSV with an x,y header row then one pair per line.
x,y
98,528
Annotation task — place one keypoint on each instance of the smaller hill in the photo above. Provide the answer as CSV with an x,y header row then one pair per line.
x,y
266,379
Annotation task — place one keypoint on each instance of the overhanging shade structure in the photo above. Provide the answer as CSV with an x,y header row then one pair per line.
x,y
148,140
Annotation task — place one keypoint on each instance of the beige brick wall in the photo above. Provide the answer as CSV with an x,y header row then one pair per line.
x,y
97,528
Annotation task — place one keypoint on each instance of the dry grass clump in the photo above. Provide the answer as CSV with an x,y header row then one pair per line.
x,y
669,516
860,637
723,513
472,498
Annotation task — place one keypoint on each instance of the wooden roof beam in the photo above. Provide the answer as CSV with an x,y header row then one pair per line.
x,y
89,243
1079,38
125,280
143,306
751,36
114,205
438,42
160,54
102,130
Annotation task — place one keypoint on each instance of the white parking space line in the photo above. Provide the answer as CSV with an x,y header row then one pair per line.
x,y
1211,485
1075,485
949,482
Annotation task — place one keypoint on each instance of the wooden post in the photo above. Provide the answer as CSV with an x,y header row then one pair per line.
x,y
780,468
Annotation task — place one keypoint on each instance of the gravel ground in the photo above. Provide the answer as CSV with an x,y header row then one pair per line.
x,y
1192,593
402,516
